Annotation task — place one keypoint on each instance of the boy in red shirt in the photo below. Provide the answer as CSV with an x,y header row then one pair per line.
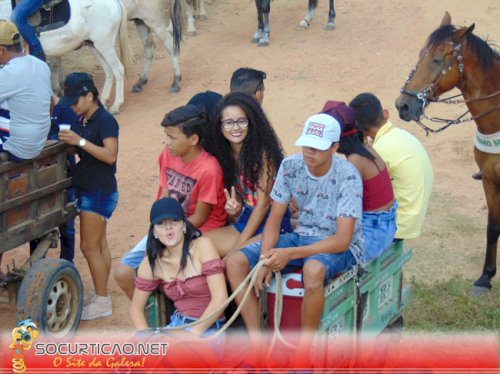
x,y
187,173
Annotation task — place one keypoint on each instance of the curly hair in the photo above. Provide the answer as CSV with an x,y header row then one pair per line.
x,y
260,145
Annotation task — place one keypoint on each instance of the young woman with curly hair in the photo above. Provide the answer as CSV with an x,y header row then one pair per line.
x,y
249,152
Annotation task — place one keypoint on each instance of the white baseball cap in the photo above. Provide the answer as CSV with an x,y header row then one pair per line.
x,y
320,131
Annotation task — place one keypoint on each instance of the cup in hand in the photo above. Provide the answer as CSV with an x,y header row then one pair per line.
x,y
64,127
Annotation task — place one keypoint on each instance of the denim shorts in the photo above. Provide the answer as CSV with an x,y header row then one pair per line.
x,y
134,257
97,202
179,319
379,229
334,263
286,225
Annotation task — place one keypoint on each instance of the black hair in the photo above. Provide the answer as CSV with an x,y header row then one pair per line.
x,y
190,119
95,93
247,80
369,111
261,143
485,53
352,142
155,248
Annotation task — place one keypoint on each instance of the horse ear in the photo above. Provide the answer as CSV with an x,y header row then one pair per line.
x,y
446,21
462,33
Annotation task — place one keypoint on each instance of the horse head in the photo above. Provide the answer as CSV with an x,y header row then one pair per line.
x,y
439,69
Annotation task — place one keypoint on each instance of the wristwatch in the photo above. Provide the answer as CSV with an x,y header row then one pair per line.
x,y
82,142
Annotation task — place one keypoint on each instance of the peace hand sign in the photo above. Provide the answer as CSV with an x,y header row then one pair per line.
x,y
233,206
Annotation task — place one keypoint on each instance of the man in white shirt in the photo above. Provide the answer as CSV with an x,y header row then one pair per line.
x,y
25,86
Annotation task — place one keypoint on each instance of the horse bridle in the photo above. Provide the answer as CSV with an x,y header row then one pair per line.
x,y
426,95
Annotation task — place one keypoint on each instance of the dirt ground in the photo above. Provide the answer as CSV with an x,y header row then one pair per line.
x,y
373,48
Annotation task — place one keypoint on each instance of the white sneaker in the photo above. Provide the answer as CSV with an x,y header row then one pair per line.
x,y
99,307
90,296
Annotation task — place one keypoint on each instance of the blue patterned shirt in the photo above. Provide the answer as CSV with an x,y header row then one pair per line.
x,y
321,200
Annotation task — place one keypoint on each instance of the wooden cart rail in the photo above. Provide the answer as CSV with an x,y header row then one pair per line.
x,y
33,198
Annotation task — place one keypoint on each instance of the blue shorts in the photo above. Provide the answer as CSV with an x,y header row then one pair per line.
x,y
12,157
379,229
97,202
134,257
286,225
334,263
179,319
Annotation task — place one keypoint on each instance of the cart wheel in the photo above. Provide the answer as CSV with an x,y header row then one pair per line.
x,y
51,294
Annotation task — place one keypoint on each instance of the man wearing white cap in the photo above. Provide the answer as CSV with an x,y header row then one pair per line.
x,y
327,241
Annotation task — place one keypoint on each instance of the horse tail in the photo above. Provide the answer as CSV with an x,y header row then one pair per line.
x,y
177,19
126,53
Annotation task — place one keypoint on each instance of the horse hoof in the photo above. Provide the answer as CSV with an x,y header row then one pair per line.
x,y
257,36
477,291
136,88
330,26
302,25
191,33
263,42
203,17
174,89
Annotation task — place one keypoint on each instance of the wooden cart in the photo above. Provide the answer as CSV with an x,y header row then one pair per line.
x,y
33,203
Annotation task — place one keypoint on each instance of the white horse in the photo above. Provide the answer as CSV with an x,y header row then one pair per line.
x,y
98,24
152,16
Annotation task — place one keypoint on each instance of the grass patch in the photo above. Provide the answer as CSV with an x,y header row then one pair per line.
x,y
446,306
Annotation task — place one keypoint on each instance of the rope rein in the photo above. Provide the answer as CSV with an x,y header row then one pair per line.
x,y
251,278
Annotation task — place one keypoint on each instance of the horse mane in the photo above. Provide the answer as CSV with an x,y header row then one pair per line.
x,y
479,47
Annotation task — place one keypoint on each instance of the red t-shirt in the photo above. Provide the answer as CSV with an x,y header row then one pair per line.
x,y
198,180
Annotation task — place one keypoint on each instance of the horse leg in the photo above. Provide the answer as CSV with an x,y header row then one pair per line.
x,y
260,22
166,38
202,12
191,29
146,37
492,192
304,24
266,9
56,74
113,68
330,25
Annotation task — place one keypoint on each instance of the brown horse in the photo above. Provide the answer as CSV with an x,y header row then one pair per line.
x,y
455,57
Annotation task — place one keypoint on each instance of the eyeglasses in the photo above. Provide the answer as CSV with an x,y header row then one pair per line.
x,y
228,124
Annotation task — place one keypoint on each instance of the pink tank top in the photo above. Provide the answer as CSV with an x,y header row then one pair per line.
x,y
190,296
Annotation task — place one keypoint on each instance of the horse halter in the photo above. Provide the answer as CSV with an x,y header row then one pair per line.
x,y
426,95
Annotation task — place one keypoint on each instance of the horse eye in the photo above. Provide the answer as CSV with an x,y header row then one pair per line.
x,y
437,61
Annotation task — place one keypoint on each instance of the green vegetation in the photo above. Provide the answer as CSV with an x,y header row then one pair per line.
x,y
446,306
